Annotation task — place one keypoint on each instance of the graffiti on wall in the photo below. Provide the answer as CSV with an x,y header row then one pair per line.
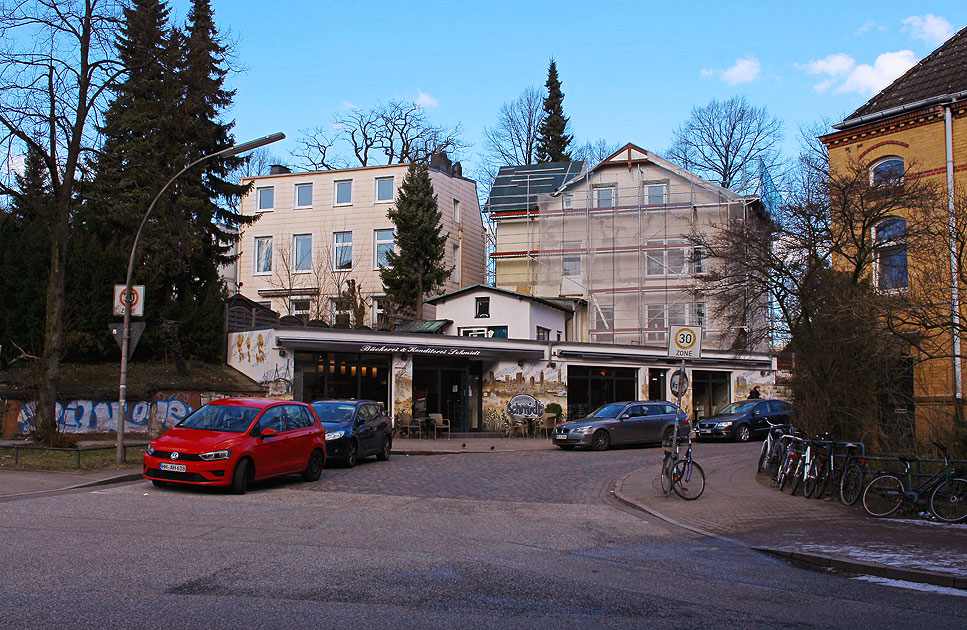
x,y
254,354
89,416
506,380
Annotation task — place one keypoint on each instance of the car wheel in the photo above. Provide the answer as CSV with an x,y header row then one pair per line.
x,y
600,441
314,467
352,453
566,447
159,484
384,452
240,478
666,437
742,434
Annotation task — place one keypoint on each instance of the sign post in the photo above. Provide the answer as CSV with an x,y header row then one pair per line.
x,y
684,342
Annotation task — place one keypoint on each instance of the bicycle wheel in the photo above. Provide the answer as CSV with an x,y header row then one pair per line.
x,y
797,475
822,478
811,482
763,456
883,496
948,501
851,484
665,476
688,480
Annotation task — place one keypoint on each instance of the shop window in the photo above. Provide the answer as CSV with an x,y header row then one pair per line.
x,y
482,307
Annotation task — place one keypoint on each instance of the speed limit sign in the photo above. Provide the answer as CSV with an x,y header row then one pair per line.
x,y
685,342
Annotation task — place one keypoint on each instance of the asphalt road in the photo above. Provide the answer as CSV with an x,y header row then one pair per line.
x,y
510,540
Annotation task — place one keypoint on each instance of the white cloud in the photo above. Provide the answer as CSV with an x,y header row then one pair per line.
x,y
833,65
348,105
708,72
425,100
743,70
870,25
931,28
869,80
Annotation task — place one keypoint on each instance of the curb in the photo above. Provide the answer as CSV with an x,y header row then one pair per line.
x,y
121,478
616,493
936,578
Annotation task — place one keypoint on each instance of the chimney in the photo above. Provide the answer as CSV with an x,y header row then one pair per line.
x,y
279,169
440,162
457,169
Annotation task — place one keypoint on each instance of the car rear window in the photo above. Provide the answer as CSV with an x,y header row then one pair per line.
x,y
223,418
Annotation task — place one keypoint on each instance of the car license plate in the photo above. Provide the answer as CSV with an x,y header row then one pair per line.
x,y
173,467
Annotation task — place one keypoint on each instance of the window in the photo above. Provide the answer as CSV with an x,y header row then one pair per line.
x,y
571,260
887,171
656,322
482,307
344,192
677,259
495,332
263,254
339,311
604,316
302,252
678,314
568,201
273,418
655,258
604,197
343,259
655,194
456,210
299,308
543,334
698,260
383,244
698,314
297,417
303,195
379,311
890,254
384,189
455,274
266,198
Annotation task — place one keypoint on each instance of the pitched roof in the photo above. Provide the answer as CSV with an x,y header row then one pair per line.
x,y
484,287
518,187
942,72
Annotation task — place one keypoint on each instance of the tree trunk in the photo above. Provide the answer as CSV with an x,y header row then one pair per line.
x,y
418,310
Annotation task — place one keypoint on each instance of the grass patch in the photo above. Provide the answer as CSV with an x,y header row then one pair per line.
x,y
48,459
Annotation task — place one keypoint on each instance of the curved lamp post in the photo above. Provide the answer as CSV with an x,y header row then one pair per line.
x,y
126,327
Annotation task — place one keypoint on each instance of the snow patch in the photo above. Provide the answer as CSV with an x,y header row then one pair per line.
x,y
913,586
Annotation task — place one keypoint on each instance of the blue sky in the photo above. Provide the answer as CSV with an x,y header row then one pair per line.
x,y
631,71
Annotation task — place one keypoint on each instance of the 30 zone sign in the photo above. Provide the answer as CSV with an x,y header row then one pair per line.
x,y
684,342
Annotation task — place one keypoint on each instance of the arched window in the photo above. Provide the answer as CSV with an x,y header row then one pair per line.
x,y
890,254
888,170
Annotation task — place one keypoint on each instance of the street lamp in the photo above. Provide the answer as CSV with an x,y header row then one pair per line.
x,y
126,327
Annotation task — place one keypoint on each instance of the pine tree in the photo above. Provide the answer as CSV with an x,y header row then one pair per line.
x,y
415,268
553,139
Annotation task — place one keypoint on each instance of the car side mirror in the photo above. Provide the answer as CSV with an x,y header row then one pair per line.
x,y
625,416
269,433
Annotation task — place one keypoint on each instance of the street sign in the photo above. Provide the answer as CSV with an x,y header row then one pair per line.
x,y
685,342
136,298
118,331
678,383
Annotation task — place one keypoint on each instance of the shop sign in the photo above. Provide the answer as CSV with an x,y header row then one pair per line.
x,y
444,352
525,406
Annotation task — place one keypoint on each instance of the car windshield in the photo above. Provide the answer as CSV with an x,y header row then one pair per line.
x,y
225,418
743,406
334,412
607,411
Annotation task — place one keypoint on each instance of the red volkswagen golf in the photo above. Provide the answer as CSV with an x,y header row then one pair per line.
x,y
234,441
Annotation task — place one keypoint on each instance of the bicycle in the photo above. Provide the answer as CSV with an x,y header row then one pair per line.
x,y
851,476
948,493
682,474
769,454
790,460
817,468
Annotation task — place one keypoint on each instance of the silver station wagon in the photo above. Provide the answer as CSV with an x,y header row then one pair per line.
x,y
635,422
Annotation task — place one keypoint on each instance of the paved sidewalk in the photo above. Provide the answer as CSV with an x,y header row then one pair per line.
x,y
740,505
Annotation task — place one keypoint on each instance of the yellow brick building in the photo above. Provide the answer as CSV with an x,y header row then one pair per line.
x,y
916,128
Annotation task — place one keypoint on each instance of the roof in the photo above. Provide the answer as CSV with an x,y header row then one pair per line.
x,y
940,73
478,287
517,187
423,325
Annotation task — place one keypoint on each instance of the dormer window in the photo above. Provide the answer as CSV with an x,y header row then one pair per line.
x,y
888,170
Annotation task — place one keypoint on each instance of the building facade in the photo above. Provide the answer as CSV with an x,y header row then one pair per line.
x,y
319,233
916,129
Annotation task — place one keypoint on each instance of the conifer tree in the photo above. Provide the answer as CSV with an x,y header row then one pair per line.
x,y
553,140
415,268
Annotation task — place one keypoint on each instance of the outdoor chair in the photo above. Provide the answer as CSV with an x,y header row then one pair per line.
x,y
517,426
440,424
406,426
545,424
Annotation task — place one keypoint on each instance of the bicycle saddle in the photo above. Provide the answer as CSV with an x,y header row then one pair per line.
x,y
907,460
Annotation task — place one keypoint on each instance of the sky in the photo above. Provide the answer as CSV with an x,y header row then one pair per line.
x,y
630,71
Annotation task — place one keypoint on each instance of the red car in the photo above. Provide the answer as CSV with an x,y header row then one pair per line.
x,y
235,441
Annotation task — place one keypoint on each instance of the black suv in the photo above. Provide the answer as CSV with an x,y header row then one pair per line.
x,y
745,419
355,429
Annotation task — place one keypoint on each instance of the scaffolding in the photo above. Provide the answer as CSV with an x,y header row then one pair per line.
x,y
617,237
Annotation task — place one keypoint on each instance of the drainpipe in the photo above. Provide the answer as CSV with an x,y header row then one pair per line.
x,y
954,263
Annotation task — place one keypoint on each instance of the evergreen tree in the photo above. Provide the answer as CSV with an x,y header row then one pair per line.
x,y
24,257
553,139
415,268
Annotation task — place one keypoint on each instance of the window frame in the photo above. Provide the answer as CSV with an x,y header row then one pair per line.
x,y
383,178
569,255
255,264
295,195
886,159
613,189
542,334
258,198
655,253
895,245
295,253
335,193
479,313
377,243
336,246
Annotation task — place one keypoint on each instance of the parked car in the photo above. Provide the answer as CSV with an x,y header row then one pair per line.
x,y
744,420
355,429
234,441
636,422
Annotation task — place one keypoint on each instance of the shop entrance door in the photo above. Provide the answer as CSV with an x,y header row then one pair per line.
x,y
656,384
443,389
711,392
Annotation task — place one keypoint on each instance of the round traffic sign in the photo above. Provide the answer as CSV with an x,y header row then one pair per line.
x,y
678,383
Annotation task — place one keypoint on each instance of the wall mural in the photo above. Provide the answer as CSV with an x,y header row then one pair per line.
x,y
254,354
402,385
505,380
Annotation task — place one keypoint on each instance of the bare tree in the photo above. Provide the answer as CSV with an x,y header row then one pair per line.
x,y
594,152
512,141
57,61
724,142
399,130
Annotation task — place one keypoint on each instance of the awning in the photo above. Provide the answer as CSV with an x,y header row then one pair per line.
x,y
434,350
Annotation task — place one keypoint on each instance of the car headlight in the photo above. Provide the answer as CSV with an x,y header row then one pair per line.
x,y
215,455
582,430
150,450
724,425
335,435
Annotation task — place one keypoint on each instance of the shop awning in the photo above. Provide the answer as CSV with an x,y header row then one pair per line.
x,y
481,351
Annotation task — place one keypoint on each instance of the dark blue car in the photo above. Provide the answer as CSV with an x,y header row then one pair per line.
x,y
355,429
745,419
